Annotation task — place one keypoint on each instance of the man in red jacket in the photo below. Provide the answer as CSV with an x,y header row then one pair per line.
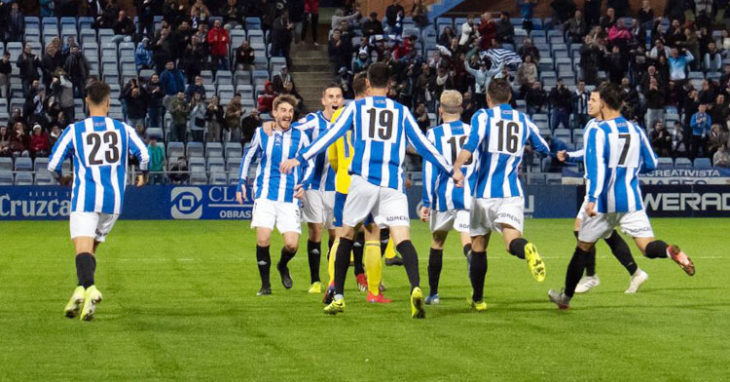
x,y
487,31
218,39
311,9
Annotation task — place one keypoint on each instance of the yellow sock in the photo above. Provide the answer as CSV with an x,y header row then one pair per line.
x,y
390,249
373,266
331,261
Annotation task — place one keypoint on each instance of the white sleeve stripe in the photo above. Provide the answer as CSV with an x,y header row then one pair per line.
x,y
330,136
250,154
144,155
56,161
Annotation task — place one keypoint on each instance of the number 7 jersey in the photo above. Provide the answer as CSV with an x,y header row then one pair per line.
x,y
100,148
497,140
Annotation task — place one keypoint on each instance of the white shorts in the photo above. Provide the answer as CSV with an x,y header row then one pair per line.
x,y
318,207
582,211
489,214
447,220
388,207
634,224
92,224
268,213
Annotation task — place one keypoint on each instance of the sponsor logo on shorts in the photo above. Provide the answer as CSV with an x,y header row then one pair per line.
x,y
504,215
394,219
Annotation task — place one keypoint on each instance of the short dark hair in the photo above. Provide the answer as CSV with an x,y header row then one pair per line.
x,y
97,92
610,95
499,90
358,84
378,75
331,85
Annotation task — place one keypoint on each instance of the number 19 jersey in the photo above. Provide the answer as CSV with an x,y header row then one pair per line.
x,y
381,129
100,147
497,139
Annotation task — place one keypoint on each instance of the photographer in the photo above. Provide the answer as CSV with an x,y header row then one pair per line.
x,y
136,99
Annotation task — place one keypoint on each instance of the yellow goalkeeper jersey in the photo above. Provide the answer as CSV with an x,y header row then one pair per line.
x,y
340,155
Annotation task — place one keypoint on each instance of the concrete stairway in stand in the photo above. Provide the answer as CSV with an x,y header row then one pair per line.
x,y
311,72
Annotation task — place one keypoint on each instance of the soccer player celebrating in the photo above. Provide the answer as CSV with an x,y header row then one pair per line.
x,y
319,200
340,156
498,135
381,129
275,193
100,149
616,151
618,246
447,206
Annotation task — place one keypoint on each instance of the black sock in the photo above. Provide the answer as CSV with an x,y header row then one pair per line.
x,y
263,259
286,256
622,252
467,249
575,271
85,268
342,261
330,241
590,262
384,238
477,273
656,249
410,262
435,263
314,251
357,253
517,247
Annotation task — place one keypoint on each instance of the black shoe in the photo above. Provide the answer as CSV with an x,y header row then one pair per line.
x,y
286,280
264,291
397,260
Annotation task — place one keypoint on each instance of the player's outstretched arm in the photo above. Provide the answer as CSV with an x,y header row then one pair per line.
x,y
649,161
595,164
139,150
537,141
60,152
422,145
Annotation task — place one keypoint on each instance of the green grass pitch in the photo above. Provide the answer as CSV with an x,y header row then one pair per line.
x,y
180,304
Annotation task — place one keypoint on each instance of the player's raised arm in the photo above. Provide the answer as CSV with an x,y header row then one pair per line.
x,y
595,163
61,151
649,161
253,149
424,146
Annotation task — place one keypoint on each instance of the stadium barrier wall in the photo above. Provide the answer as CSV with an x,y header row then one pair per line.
x,y
218,202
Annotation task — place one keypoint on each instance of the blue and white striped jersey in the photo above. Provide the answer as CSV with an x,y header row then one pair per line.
x,y
497,139
100,147
439,191
323,176
273,149
579,155
381,130
616,151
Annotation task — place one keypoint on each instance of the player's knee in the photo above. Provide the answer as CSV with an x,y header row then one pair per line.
x,y
263,241
291,245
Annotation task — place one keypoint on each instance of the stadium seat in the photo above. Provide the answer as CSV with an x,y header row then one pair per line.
x,y
214,150
216,164
175,150
233,164
40,164
197,164
702,163
682,163
23,164
6,178
195,149
218,178
6,164
233,150
44,178
198,178
24,179
665,163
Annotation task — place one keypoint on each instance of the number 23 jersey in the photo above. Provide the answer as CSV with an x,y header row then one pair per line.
x,y
100,147
497,139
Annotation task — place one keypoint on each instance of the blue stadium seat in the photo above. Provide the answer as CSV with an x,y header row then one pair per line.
x,y
23,164
24,179
218,178
682,163
175,150
44,178
702,163
214,150
6,178
198,178
665,163
6,164
233,150
195,149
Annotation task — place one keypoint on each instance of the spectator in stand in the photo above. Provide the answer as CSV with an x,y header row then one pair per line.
x,y
62,90
123,28
482,78
675,34
526,74
40,147
691,45
661,139
487,31
195,58
136,100
707,92
592,9
54,135
51,60
232,15
619,35
561,106
196,87
155,93
266,99
179,110
146,10
392,13
15,26
360,62
658,50
201,9
655,99
197,120
311,20
178,173
372,26
719,110
718,137
468,32
421,115
214,117
5,138
280,78
617,65
157,162
678,65
631,101
281,37
233,114
580,105
446,36
721,157
528,48
713,58
249,126
505,30
575,28
245,56
218,39
29,66
339,51
143,55
536,99
173,83
162,49
646,17
700,124
78,69
19,141
5,70
609,19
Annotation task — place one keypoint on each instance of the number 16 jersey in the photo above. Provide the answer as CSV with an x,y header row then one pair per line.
x,y
100,147
497,140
